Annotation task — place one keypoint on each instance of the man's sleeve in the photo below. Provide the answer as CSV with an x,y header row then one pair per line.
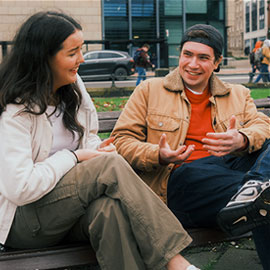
x,y
131,132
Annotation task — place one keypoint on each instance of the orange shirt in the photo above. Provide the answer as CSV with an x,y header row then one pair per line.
x,y
200,123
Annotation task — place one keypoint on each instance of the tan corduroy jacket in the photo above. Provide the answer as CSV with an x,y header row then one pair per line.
x,y
160,105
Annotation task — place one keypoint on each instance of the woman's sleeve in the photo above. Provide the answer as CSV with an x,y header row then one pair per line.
x,y
22,180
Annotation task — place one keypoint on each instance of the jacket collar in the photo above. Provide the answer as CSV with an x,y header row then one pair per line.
x,y
173,82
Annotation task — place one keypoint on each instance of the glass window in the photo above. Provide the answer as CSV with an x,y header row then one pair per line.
x,y
254,15
143,19
91,56
104,55
197,6
247,17
173,7
115,8
116,28
142,8
215,10
261,14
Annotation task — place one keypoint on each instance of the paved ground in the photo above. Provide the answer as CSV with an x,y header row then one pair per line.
x,y
238,255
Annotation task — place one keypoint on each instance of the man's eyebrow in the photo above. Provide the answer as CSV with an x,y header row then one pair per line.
x,y
204,54
199,54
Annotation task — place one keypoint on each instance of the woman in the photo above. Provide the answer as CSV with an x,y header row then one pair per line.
x,y
58,181
254,61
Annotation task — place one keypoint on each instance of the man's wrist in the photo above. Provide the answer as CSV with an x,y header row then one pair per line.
x,y
245,142
162,161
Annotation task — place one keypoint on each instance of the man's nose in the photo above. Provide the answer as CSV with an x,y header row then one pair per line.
x,y
193,62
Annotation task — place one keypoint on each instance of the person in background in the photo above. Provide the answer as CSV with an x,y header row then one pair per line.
x,y
201,144
264,72
247,51
254,61
142,62
58,181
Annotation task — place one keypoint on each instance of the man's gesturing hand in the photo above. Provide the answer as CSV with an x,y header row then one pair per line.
x,y
167,155
221,144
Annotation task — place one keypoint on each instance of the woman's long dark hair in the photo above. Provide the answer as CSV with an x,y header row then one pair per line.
x,y
25,74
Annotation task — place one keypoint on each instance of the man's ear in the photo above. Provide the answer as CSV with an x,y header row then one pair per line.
x,y
217,64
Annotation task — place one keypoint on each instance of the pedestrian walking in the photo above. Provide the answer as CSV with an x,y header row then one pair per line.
x,y
255,59
142,62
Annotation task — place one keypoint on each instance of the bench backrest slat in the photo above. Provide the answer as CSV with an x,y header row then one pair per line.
x,y
107,120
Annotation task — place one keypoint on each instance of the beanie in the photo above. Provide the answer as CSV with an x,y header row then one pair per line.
x,y
212,37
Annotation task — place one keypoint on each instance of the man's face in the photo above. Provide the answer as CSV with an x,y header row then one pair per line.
x,y
196,64
145,49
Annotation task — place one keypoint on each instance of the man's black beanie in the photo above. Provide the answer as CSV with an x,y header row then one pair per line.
x,y
213,38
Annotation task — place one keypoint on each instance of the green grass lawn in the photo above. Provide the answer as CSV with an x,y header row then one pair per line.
x,y
260,93
109,103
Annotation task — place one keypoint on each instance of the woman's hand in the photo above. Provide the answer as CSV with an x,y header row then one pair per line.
x,y
107,145
86,154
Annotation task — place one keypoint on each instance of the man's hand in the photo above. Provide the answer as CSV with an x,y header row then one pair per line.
x,y
221,144
178,156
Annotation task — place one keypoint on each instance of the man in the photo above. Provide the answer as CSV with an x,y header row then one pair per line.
x,y
197,141
142,61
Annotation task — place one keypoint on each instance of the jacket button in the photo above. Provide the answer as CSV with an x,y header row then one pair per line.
x,y
160,124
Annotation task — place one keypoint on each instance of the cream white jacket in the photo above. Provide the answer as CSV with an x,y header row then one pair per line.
x,y
27,173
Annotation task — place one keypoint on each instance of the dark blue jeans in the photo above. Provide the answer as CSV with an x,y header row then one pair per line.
x,y
264,74
141,74
197,191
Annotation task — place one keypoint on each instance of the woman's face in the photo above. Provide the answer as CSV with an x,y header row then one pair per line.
x,y
65,63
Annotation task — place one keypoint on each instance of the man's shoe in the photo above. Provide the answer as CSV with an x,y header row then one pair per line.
x,y
248,208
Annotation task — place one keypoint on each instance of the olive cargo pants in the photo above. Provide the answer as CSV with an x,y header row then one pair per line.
x,y
103,201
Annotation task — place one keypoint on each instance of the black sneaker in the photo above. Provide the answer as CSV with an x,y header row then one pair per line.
x,y
248,208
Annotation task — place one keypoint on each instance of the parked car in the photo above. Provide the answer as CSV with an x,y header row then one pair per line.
x,y
106,64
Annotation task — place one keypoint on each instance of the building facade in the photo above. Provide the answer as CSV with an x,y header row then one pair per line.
x,y
88,13
256,16
235,28
124,24
130,23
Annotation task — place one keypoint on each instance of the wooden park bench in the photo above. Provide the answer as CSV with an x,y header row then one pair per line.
x,y
66,256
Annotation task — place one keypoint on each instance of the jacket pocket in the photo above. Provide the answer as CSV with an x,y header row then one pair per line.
x,y
162,122
240,121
